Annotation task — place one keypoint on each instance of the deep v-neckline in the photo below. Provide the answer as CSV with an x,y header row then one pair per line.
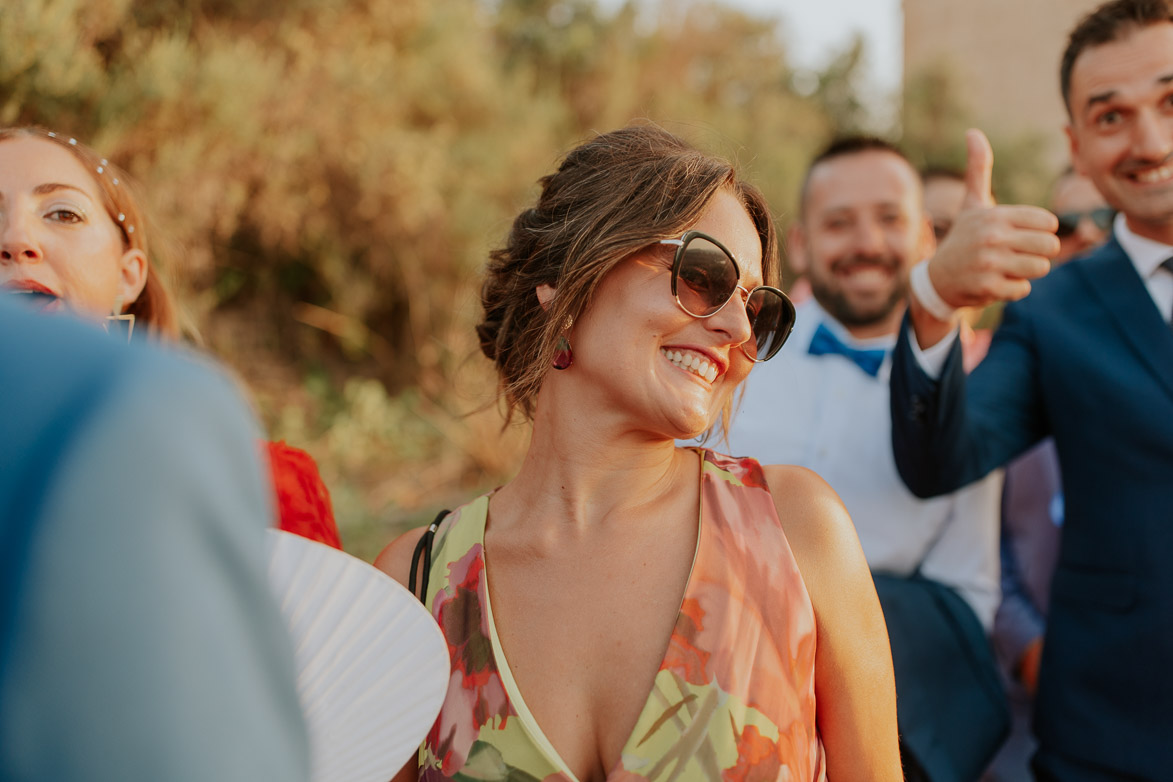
x,y
513,693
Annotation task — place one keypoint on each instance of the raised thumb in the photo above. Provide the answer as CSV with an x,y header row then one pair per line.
x,y
979,170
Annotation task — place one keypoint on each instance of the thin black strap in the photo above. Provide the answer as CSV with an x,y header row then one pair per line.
x,y
423,550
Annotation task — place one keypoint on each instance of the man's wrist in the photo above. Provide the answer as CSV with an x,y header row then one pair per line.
x,y
926,294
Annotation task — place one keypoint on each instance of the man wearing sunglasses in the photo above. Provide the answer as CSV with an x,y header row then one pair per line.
x,y
1086,358
823,404
1085,219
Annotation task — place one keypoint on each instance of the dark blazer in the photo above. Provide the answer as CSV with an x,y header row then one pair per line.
x,y
139,639
952,714
1087,359
1032,508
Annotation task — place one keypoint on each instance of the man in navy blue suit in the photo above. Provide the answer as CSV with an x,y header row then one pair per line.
x,y
138,636
1087,358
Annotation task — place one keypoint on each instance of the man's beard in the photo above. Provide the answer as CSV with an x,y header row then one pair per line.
x,y
832,298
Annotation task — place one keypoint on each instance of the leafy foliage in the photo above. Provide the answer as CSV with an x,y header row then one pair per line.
x,y
935,118
330,174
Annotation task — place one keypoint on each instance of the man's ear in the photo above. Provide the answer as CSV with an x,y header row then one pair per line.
x,y
928,240
796,249
545,294
132,277
1073,146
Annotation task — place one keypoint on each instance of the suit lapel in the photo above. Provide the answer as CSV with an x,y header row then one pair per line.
x,y
1114,281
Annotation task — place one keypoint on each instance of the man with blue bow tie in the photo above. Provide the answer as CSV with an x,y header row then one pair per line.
x,y
823,403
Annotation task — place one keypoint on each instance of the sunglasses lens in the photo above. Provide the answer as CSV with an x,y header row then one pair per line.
x,y
1103,217
771,316
1068,222
705,277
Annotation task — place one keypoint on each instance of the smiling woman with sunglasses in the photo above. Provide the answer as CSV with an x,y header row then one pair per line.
x,y
624,609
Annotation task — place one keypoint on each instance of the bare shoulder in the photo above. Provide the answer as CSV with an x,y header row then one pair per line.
x,y
810,511
820,533
395,558
853,664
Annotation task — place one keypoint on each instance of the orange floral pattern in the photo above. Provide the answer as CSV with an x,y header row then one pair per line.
x,y
734,698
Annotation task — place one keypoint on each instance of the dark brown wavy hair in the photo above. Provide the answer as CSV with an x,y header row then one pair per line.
x,y
611,197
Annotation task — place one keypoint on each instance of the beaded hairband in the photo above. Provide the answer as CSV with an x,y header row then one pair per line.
x,y
113,180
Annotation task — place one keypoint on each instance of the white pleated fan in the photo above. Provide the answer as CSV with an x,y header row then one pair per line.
x,y
372,665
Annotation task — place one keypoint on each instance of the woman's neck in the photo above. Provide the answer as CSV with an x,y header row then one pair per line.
x,y
582,470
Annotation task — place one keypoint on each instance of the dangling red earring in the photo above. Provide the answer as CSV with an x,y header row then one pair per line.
x,y
563,355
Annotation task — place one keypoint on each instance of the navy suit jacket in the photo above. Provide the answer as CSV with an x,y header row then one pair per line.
x,y
1088,359
139,639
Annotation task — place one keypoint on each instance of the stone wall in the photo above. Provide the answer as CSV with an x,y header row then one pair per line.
x,y
1004,56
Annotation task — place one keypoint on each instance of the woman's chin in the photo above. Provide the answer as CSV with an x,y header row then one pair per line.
x,y
693,424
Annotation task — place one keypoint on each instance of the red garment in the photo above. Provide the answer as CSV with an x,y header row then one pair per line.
x,y
303,502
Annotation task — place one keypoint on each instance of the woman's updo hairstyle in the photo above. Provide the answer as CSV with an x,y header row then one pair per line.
x,y
612,197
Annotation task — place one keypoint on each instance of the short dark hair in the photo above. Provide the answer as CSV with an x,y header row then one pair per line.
x,y
842,147
929,173
1110,22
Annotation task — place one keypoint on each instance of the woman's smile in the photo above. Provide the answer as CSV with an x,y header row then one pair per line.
x,y
693,362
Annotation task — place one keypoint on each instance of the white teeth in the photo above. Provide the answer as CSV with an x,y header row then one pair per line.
x,y
1156,175
692,362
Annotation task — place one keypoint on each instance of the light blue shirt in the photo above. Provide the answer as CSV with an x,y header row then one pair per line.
x,y
138,637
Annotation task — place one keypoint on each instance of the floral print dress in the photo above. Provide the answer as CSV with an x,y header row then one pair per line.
x,y
734,697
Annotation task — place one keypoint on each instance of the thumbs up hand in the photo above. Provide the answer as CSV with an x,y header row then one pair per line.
x,y
979,171
993,252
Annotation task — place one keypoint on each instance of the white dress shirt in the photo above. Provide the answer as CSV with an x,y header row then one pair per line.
x,y
1147,256
827,414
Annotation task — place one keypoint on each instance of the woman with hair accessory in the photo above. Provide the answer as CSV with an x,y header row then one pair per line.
x,y
73,234
73,237
624,609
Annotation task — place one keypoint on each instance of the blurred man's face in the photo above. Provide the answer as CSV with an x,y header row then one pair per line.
x,y
863,227
943,199
1121,130
1084,216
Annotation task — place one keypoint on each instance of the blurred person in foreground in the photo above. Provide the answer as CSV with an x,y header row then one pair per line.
x,y
138,637
1032,511
823,404
75,239
665,612
1087,358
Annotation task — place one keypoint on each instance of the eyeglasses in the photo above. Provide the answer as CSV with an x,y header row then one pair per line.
x,y
705,277
1069,221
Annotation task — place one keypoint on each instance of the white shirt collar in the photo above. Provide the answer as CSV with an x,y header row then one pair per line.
x,y
1146,254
